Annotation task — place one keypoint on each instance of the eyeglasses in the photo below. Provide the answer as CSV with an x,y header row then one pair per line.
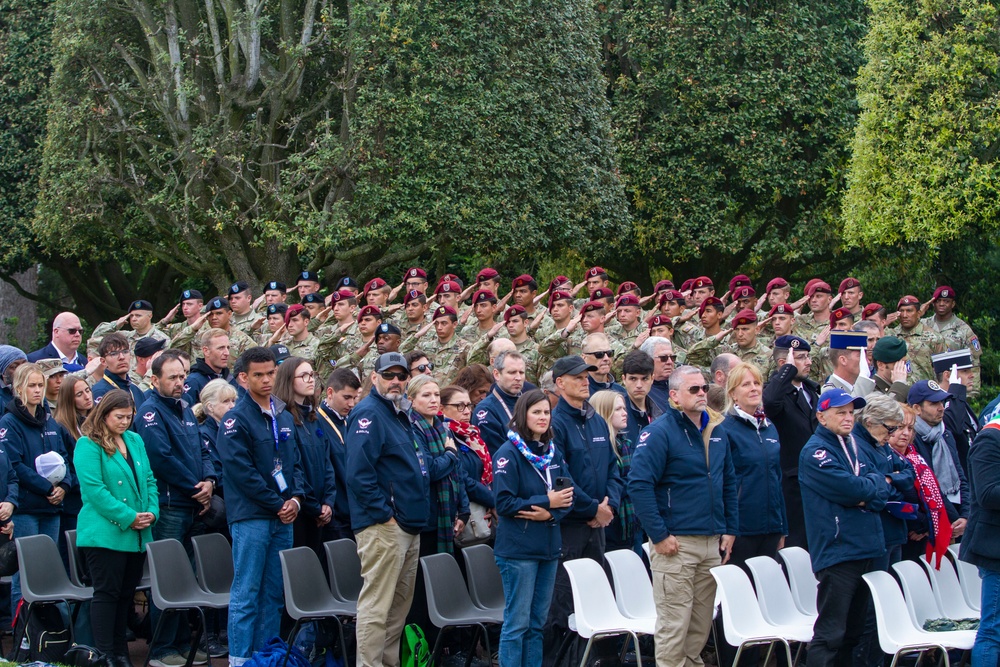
x,y
73,332
394,375
892,429
666,357
306,376
423,368
699,388
600,354
461,407
116,355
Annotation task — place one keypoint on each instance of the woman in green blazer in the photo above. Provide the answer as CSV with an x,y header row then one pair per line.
x,y
120,503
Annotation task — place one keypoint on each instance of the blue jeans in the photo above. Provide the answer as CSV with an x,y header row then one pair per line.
x,y
527,588
256,599
24,526
986,651
178,523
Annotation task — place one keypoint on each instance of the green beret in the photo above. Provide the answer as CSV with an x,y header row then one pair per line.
x,y
889,350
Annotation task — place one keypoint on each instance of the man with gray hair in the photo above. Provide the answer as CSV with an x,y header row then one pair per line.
x,y
494,412
664,360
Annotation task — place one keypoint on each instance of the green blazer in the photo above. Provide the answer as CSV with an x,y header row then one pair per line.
x,y
111,498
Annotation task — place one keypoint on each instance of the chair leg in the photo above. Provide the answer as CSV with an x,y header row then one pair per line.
x,y
770,650
472,648
586,651
486,642
638,651
291,640
18,639
156,634
196,640
436,653
343,643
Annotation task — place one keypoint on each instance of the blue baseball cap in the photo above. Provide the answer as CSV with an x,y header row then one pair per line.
x,y
926,390
836,398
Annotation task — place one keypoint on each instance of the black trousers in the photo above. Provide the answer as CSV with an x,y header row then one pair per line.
x,y
114,575
793,512
744,548
842,601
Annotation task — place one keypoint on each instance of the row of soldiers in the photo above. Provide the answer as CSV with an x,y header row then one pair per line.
x,y
453,325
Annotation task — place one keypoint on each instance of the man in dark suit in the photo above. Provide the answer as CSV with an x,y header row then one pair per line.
x,y
790,400
67,332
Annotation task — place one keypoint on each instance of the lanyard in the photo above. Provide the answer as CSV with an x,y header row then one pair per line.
x,y
503,405
855,464
332,425
274,425
547,480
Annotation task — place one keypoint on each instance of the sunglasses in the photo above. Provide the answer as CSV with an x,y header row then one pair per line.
x,y
699,388
892,429
461,407
423,368
73,332
666,357
600,354
394,375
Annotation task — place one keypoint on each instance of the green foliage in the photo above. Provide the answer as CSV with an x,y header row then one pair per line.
x,y
925,166
732,122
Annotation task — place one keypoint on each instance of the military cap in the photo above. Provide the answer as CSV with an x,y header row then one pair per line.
x,y
445,311
848,283
671,295
275,285
308,275
191,294
557,281
516,310
347,281
926,390
415,272
140,304
745,316
450,276
944,292
523,280
238,287
663,285
792,343
50,367
817,285
908,300
559,295
218,303
944,361
280,352
314,297
484,296
295,309
340,295
776,283
411,295
686,285
702,281
627,286
277,309
848,340
448,287
841,313
373,311
745,292
592,305
781,309
374,283
148,346
627,300
870,310
889,349
487,274
571,365
387,329
595,271
836,398
713,302
738,281
601,293
659,321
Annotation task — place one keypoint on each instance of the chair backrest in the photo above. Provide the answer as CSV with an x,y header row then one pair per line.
x,y
801,580
344,565
73,558
485,582
741,616
947,590
895,627
972,585
447,596
919,599
42,572
306,590
213,560
633,589
773,593
172,579
593,602
955,549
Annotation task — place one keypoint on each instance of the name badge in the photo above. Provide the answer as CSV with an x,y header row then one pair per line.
x,y
279,478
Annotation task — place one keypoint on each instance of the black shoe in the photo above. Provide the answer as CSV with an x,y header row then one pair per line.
x,y
121,661
215,648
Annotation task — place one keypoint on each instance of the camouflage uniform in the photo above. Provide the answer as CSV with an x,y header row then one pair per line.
x,y
808,328
245,322
331,344
921,342
448,358
472,333
958,335
554,347
360,366
306,348
141,381
105,328
705,351
547,325
686,334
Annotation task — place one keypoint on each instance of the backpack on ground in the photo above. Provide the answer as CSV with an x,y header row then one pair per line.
x,y
416,651
276,653
44,637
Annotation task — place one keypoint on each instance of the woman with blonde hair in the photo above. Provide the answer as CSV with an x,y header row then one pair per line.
x,y
217,398
624,531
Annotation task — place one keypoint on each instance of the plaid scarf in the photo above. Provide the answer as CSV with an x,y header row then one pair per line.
x,y
626,510
434,434
938,525
468,435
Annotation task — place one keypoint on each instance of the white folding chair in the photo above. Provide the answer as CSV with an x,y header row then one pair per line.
x,y
972,585
895,635
633,589
801,580
919,599
773,594
948,591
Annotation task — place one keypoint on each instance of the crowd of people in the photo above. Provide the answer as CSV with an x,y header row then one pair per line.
x,y
554,424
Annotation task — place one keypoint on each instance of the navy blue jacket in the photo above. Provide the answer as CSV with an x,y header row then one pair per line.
x,y
441,469
249,454
518,486
981,541
50,352
387,473
200,375
660,393
640,419
674,489
838,529
584,440
8,493
491,418
756,456
176,454
317,467
23,443
900,471
923,448
335,428
472,474
111,381
209,431
596,386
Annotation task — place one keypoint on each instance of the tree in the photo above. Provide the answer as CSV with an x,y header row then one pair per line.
x,y
924,166
732,122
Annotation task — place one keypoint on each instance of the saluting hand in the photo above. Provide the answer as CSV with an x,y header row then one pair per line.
x,y
538,299
834,301
576,288
763,323
924,306
169,317
396,290
725,297
719,337
640,339
899,371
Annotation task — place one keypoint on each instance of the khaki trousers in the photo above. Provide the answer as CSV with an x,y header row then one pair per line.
x,y
684,592
389,559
